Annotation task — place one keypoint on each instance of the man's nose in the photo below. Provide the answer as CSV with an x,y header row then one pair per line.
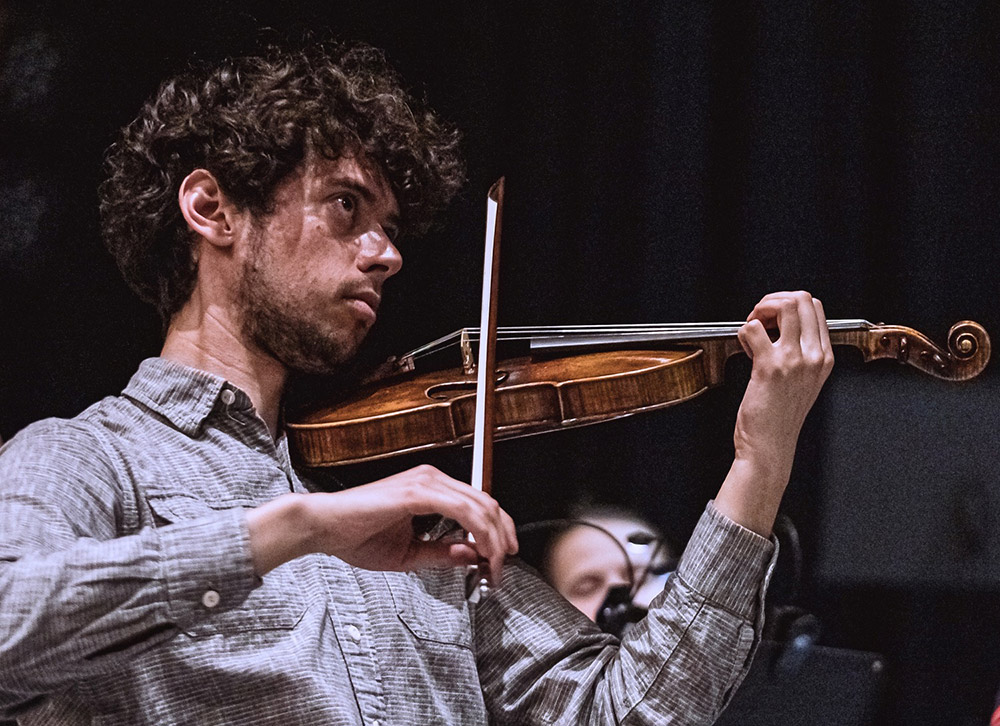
x,y
378,250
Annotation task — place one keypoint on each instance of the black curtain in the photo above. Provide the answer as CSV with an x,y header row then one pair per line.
x,y
664,162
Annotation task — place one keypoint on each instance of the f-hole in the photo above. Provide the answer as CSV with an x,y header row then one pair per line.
x,y
454,389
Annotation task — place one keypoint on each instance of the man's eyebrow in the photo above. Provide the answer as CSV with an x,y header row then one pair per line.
x,y
359,188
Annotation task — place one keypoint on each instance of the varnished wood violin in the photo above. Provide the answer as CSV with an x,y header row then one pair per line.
x,y
567,377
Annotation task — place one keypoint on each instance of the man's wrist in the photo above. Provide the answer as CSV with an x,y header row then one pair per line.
x,y
752,492
280,531
768,467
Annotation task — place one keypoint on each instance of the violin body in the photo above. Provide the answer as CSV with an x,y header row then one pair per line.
x,y
554,389
434,409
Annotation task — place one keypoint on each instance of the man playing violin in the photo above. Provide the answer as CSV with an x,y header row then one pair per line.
x,y
162,561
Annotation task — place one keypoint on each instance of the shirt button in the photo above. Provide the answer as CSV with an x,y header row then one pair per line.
x,y
228,397
353,633
210,599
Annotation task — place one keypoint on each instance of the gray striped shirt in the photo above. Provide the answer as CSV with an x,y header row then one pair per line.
x,y
127,596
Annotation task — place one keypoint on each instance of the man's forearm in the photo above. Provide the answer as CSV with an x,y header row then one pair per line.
x,y
751,492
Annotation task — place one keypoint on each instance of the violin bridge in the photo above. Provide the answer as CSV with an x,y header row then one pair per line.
x,y
468,359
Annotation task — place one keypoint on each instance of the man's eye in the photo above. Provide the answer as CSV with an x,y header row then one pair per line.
x,y
584,586
347,202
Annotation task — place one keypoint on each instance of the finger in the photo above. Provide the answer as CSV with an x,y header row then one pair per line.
x,y
424,492
824,328
824,331
778,311
808,322
511,550
441,554
492,530
789,322
511,530
426,487
495,516
754,339
491,527
766,310
506,529
475,511
491,566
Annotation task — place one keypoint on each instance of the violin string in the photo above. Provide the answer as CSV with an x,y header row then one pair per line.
x,y
723,328
664,331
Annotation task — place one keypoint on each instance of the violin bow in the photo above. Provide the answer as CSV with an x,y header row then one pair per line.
x,y
482,446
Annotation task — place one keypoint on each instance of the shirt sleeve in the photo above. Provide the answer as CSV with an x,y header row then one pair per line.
x,y
76,599
680,665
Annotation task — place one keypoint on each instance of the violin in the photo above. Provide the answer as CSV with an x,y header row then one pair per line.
x,y
562,378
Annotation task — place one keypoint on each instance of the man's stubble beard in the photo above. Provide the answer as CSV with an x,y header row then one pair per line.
x,y
277,325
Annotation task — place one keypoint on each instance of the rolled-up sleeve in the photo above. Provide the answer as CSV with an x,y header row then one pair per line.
x,y
698,640
679,665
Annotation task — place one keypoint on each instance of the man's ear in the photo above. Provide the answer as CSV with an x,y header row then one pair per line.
x,y
206,209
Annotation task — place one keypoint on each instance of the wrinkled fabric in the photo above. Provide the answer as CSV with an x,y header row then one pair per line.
x,y
127,596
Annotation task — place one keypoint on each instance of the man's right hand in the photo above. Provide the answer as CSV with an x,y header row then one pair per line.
x,y
371,526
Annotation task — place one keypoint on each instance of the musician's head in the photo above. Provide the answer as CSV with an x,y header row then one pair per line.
x,y
610,546
294,168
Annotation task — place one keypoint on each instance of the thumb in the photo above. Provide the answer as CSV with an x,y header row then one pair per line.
x,y
442,554
754,338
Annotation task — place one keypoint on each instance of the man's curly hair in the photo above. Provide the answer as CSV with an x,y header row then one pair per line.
x,y
251,121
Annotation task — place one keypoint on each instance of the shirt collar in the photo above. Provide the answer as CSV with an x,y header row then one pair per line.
x,y
183,395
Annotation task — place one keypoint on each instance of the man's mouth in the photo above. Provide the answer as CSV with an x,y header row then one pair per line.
x,y
365,303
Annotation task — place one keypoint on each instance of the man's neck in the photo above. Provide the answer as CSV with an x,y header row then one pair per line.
x,y
209,340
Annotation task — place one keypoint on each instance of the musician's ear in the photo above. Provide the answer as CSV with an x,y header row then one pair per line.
x,y
206,209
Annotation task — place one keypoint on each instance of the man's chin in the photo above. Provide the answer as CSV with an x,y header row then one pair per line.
x,y
317,366
309,349
316,360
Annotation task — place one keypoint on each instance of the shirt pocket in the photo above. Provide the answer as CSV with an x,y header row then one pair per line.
x,y
277,604
432,605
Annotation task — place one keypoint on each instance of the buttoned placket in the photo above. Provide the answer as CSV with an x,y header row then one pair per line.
x,y
285,460
352,627
252,430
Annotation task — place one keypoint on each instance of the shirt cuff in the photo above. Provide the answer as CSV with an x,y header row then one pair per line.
x,y
727,563
206,566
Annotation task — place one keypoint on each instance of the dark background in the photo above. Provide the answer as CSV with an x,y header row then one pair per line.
x,y
665,161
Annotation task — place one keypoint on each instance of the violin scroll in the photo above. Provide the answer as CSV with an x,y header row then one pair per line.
x,y
967,355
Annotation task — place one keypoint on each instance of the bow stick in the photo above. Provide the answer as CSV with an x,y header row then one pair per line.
x,y
482,447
